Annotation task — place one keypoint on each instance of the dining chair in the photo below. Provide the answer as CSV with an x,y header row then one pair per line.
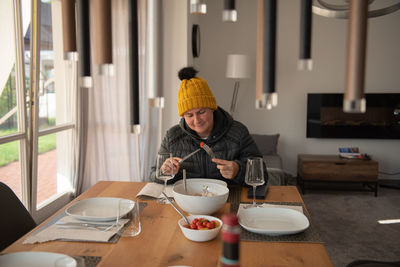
x,y
16,220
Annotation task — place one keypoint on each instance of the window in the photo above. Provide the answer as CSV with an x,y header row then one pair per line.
x,y
37,106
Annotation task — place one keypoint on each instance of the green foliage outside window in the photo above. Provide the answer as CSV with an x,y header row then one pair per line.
x,y
9,151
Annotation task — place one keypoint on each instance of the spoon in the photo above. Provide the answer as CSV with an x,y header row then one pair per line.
x,y
205,191
176,208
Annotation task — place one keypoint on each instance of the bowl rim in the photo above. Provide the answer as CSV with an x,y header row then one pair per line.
x,y
203,179
224,188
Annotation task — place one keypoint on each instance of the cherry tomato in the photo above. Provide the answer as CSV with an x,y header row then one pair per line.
x,y
203,224
212,224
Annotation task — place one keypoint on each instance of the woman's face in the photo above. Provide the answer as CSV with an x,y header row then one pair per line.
x,y
200,120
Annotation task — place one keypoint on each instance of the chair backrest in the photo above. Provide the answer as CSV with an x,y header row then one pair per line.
x,y
266,143
15,218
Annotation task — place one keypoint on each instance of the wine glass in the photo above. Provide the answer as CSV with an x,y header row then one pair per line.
x,y
254,176
165,170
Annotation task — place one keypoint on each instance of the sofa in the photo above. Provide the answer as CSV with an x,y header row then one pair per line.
x,y
267,144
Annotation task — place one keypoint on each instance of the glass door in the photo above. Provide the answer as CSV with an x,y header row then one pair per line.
x,y
42,135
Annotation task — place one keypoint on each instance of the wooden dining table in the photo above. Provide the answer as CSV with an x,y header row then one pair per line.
x,y
161,242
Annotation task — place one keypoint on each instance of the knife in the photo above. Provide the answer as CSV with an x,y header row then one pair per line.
x,y
188,156
85,224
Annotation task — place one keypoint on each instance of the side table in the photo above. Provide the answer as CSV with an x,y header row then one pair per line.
x,y
332,168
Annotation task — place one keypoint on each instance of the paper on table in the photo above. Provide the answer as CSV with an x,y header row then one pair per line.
x,y
154,190
55,232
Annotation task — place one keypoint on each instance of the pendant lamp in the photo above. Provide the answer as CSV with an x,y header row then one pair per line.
x,y
84,43
266,97
102,35
229,14
69,32
305,61
134,64
354,99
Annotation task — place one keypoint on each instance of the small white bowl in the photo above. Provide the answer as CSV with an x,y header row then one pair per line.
x,y
200,235
197,204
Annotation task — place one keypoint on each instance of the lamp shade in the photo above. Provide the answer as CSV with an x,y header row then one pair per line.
x,y
238,67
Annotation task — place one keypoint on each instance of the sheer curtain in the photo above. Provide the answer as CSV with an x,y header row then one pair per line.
x,y
112,151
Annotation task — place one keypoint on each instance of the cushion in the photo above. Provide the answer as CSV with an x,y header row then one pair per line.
x,y
273,161
267,144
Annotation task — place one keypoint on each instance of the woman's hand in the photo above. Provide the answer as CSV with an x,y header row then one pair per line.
x,y
176,164
166,167
228,169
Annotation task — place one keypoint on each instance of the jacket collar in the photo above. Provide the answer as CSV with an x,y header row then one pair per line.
x,y
222,124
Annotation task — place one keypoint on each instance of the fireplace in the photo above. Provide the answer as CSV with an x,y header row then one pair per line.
x,y
326,119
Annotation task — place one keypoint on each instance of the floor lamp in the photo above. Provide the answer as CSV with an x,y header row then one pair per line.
x,y
237,67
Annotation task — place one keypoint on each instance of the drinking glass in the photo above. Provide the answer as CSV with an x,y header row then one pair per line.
x,y
254,175
133,226
165,170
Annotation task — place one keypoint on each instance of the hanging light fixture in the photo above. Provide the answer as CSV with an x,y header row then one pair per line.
x,y
229,14
266,97
134,64
84,43
197,7
102,35
69,32
354,100
154,53
305,61
358,12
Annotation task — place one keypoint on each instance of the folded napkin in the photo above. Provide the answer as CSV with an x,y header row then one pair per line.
x,y
59,231
268,205
154,190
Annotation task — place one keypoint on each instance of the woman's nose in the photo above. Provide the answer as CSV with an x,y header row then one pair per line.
x,y
197,119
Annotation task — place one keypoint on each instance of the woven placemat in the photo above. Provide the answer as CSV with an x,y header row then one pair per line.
x,y
309,235
113,239
90,261
234,194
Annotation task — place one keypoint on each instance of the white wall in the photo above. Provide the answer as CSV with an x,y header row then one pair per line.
x,y
219,39
175,51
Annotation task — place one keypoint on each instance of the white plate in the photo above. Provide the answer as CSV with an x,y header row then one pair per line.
x,y
209,180
273,221
36,259
98,209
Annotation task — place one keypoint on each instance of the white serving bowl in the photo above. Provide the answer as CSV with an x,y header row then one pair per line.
x,y
200,204
200,235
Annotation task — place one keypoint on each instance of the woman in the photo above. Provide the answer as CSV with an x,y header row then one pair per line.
x,y
203,121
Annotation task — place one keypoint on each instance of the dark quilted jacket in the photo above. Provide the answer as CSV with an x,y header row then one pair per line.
x,y
230,140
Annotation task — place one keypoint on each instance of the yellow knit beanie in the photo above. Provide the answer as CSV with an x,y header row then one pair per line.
x,y
193,92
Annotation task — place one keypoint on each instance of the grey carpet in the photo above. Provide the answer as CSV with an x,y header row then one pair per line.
x,y
347,223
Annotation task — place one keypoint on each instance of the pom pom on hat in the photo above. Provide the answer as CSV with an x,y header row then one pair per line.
x,y
193,92
187,73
